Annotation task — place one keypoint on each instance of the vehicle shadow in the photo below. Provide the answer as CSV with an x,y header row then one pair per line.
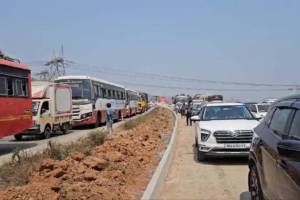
x,y
9,148
220,160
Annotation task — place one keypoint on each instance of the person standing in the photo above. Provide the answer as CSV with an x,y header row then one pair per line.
x,y
109,118
189,114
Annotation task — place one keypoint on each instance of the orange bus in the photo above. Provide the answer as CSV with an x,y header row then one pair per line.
x,y
15,98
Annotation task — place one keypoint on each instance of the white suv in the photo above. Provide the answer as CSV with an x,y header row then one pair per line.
x,y
224,129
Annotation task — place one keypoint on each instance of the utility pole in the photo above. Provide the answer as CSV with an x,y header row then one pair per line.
x,y
56,67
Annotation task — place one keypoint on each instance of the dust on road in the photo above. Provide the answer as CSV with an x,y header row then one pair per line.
x,y
213,179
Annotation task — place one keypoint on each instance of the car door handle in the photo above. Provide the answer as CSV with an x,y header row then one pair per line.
x,y
281,164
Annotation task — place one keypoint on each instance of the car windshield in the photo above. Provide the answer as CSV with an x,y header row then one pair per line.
x,y
263,107
226,113
196,106
81,89
35,107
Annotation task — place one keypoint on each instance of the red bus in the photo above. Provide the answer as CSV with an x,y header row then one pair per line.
x,y
15,98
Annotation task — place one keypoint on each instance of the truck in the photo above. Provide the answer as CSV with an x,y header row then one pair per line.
x,y
51,109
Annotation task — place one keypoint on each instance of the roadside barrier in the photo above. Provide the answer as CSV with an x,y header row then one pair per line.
x,y
162,169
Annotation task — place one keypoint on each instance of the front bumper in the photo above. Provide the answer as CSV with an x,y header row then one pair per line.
x,y
221,150
32,131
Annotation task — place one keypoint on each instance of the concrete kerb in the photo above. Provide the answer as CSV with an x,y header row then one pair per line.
x,y
42,147
161,171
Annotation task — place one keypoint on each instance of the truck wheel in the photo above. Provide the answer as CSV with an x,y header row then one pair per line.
x,y
65,128
201,156
18,137
47,132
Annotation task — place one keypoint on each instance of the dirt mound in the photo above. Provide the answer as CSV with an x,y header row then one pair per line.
x,y
118,169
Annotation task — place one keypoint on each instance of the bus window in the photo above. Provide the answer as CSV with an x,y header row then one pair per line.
x,y
10,87
113,94
21,88
3,86
104,92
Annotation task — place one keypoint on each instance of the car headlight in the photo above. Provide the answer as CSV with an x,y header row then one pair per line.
x,y
204,134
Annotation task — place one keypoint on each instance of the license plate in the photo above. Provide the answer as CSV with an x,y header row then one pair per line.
x,y
235,146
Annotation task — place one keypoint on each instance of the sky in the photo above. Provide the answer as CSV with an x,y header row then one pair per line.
x,y
238,41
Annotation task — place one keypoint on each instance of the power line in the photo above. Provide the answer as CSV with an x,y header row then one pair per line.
x,y
120,72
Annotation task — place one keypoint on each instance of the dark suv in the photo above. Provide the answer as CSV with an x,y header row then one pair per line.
x,y
275,153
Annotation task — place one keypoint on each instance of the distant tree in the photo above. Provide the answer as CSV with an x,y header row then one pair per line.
x,y
3,56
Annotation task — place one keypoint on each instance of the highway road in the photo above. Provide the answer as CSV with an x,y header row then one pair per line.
x,y
214,179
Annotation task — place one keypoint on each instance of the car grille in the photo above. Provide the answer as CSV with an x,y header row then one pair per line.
x,y
238,136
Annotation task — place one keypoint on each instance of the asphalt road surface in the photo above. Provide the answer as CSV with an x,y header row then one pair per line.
x,y
210,180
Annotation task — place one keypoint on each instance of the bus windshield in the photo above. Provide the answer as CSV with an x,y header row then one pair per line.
x,y
81,89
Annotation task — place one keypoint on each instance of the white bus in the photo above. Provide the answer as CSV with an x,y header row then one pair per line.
x,y
132,100
90,96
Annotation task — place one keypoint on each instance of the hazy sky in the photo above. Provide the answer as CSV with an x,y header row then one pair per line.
x,y
242,41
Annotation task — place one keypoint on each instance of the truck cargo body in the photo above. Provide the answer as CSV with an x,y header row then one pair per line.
x,y
51,107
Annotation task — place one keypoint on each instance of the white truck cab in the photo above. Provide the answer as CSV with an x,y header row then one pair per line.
x,y
51,109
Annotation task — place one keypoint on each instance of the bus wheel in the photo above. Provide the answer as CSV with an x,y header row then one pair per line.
x,y
18,137
47,132
97,124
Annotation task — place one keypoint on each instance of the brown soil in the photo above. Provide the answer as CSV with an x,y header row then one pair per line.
x,y
118,169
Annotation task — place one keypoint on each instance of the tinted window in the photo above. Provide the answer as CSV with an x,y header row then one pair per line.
x,y
226,113
3,86
295,128
10,87
279,120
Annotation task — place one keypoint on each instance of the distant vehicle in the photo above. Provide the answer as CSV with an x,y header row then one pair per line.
x,y
223,129
15,98
181,99
268,101
196,106
90,96
258,110
132,102
274,161
143,102
51,108
214,98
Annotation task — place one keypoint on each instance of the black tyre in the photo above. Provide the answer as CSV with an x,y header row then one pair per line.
x,y
254,184
47,132
18,137
201,156
65,128
97,124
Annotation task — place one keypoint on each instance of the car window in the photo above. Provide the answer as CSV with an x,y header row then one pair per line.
x,y
295,127
279,120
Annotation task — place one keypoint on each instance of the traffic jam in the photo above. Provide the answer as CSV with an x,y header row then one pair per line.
x,y
41,108
266,132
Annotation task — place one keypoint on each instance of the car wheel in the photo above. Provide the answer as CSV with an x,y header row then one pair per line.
x,y
18,137
254,184
47,132
201,156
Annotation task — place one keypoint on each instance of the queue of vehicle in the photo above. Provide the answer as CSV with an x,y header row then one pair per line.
x,y
44,108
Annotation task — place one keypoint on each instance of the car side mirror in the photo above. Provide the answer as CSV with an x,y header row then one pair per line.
x,y
195,118
289,149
